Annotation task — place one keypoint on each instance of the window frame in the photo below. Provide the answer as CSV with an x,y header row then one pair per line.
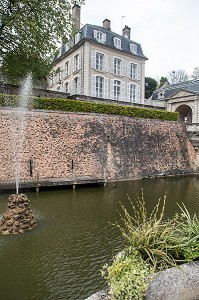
x,y
99,86
117,66
116,89
100,36
99,61
67,69
117,43
132,92
76,62
133,70
133,48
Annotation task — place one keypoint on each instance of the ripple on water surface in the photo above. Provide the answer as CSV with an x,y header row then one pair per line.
x,y
62,257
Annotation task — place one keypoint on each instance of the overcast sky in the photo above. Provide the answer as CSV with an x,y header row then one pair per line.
x,y
168,30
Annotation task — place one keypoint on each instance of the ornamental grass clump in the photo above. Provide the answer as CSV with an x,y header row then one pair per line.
x,y
152,244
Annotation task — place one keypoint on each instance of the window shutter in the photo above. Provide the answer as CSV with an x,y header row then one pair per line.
x,y
93,86
123,92
68,91
71,87
104,37
128,91
95,34
138,72
112,89
105,67
128,69
106,88
138,94
69,67
112,64
79,85
61,74
79,61
93,60
123,68
72,65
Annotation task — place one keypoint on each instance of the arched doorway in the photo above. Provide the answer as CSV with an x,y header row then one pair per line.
x,y
185,113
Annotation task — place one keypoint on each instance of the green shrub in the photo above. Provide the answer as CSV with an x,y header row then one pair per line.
x,y
152,244
89,107
128,277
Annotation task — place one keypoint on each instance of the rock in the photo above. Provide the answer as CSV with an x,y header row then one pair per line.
x,y
101,295
175,284
18,216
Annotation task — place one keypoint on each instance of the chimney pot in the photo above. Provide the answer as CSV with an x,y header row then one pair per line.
x,y
107,24
127,32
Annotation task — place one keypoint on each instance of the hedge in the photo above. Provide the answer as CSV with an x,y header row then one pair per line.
x,y
89,107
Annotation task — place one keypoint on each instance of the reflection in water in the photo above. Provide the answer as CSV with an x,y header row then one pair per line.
x,y
62,257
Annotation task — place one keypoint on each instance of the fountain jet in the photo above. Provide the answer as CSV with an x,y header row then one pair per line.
x,y
18,132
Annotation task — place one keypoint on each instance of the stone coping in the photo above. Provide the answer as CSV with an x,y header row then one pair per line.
x,y
172,284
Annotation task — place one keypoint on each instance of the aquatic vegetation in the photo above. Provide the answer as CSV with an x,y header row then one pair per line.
x,y
152,244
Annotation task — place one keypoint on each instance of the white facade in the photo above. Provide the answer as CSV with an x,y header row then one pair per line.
x,y
93,68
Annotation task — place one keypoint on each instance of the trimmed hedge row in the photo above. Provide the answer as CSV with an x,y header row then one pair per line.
x,y
89,107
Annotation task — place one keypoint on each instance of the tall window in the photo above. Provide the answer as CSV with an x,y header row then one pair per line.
x,y
99,61
66,87
76,62
132,93
133,71
76,85
117,66
99,86
117,89
67,73
58,74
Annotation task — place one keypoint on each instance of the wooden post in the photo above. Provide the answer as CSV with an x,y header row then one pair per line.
x,y
37,187
74,175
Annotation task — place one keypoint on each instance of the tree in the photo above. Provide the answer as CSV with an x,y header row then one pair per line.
x,y
195,74
30,31
176,76
162,81
150,86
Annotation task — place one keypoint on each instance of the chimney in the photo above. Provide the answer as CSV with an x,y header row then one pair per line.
x,y
127,32
76,17
107,24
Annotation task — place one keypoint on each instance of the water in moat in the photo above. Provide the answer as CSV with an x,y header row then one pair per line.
x,y
62,257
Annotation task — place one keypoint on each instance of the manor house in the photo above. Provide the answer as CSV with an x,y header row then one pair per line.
x,y
100,63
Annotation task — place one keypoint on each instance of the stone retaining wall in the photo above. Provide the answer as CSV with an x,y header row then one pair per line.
x,y
104,146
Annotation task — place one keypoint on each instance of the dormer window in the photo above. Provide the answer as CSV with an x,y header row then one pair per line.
x,y
77,37
161,95
133,48
100,36
117,42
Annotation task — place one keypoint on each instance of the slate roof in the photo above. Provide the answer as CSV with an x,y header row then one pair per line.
x,y
87,33
189,86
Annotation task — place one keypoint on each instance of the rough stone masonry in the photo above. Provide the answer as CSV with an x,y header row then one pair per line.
x,y
104,146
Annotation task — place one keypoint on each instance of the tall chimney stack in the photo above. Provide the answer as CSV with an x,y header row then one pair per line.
x,y
127,32
107,24
76,10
